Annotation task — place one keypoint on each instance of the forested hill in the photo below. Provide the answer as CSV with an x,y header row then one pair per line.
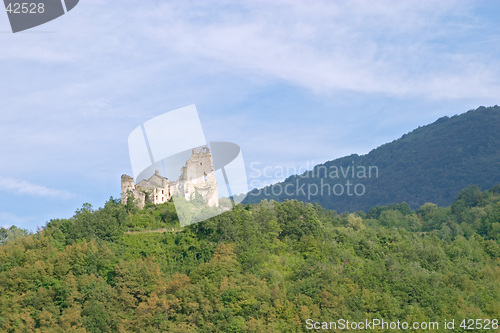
x,y
267,267
430,164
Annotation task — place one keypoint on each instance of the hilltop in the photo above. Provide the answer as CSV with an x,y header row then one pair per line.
x,y
430,164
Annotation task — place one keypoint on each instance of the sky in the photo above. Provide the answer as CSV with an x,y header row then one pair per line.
x,y
293,83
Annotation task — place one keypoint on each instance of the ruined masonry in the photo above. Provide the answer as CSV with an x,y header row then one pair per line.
x,y
196,176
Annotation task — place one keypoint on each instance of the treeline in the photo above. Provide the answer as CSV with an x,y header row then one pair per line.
x,y
265,267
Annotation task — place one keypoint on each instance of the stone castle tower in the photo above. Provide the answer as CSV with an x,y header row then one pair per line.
x,y
196,176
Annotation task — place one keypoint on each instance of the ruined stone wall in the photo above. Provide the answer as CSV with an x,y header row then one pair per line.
x,y
156,188
196,176
127,187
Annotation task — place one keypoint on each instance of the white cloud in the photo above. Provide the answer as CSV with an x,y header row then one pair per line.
x,y
22,187
382,47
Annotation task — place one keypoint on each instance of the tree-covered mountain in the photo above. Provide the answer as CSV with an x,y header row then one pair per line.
x,y
430,164
267,267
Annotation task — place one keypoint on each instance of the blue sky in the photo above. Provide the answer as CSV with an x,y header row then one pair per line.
x,y
294,83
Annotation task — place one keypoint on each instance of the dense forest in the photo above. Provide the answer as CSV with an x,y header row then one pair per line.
x,y
430,164
266,267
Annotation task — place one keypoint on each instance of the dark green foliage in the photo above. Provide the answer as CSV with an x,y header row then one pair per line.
x,y
467,198
266,267
430,164
105,224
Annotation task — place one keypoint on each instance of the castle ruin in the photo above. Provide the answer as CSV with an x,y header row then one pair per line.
x,y
197,176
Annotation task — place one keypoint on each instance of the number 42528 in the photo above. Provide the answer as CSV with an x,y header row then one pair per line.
x,y
25,8
485,324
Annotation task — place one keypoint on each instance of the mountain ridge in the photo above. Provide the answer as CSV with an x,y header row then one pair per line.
x,y
432,163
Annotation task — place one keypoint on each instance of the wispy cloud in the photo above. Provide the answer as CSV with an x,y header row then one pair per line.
x,y
382,47
22,187
408,48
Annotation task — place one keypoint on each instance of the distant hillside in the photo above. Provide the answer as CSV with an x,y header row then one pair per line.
x,y
430,164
